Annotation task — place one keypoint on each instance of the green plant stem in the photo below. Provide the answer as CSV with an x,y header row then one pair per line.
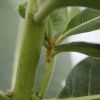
x,y
48,74
3,96
29,55
51,5
44,11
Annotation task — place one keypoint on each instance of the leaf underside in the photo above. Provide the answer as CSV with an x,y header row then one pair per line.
x,y
56,22
83,80
85,21
89,49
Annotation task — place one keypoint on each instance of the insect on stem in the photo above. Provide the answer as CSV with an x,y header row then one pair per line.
x,y
51,45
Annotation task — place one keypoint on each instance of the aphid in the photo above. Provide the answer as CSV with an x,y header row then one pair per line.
x,y
51,45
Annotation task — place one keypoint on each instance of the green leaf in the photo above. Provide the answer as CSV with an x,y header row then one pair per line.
x,y
83,80
73,11
89,49
85,21
22,9
82,18
57,21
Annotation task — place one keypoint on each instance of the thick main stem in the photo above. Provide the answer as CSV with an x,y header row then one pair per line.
x,y
29,55
44,10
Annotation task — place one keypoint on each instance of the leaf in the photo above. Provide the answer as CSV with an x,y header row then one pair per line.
x,y
89,49
57,21
83,80
85,21
22,9
73,11
83,17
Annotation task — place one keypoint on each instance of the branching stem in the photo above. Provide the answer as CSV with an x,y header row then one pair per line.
x,y
51,5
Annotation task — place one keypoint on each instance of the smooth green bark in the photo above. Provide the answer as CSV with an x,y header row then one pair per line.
x,y
29,55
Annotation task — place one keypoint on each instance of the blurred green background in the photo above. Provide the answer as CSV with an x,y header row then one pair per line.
x,y
9,23
9,20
